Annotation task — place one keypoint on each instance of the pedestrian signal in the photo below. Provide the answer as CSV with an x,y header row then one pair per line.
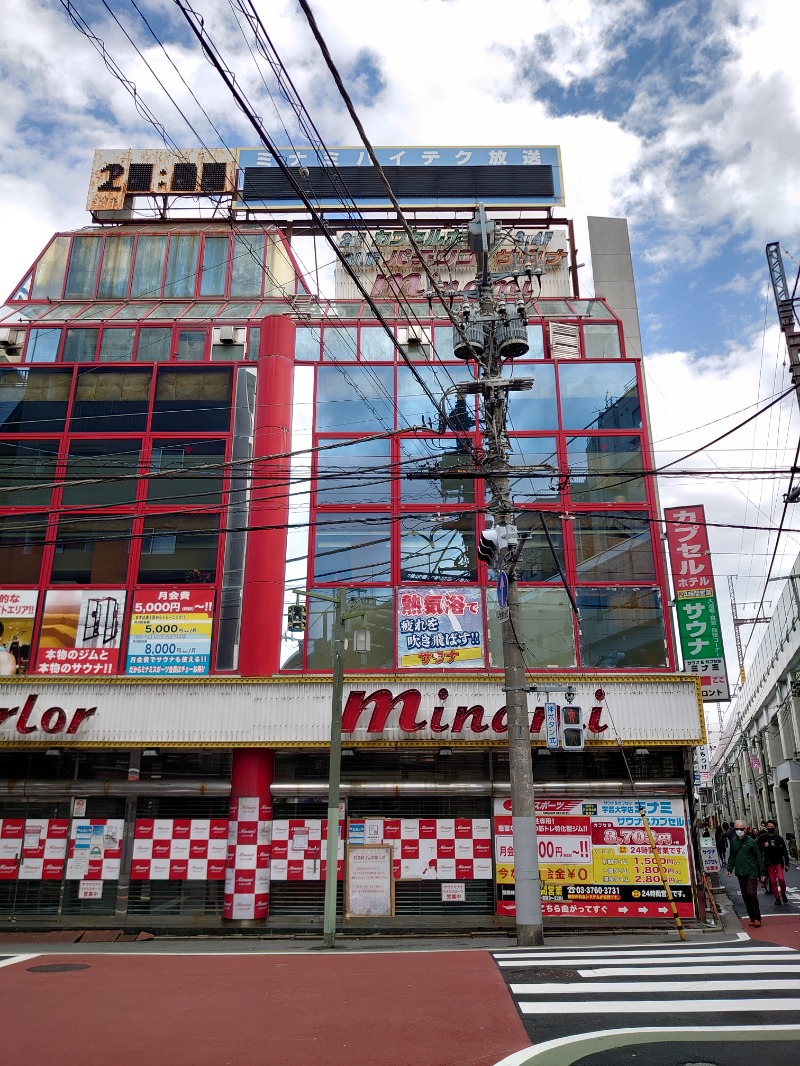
x,y
571,728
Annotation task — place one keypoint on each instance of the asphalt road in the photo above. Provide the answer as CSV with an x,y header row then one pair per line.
x,y
739,985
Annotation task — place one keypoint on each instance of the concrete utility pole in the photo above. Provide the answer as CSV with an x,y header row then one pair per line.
x,y
495,335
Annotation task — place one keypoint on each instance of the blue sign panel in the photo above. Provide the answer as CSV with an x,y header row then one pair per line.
x,y
502,589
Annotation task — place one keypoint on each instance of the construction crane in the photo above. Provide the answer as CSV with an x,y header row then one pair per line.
x,y
787,317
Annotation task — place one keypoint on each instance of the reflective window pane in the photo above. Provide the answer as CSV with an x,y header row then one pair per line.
x,y
247,270
554,309
189,399
239,310
540,558
536,342
423,453
621,628
379,605
547,629
49,277
306,345
179,548
536,409
80,346
443,342
376,344
191,345
154,344
91,551
357,473
215,265
416,408
110,401
442,550
110,464
355,400
601,342
84,258
148,268
34,401
181,265
591,308
21,546
606,469
543,483
117,346
599,396
25,463
178,459
42,345
339,343
116,269
610,547
353,548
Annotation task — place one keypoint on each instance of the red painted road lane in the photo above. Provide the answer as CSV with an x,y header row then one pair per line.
x,y
783,930
393,1009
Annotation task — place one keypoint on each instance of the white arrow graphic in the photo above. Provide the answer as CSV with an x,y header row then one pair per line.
x,y
643,910
622,910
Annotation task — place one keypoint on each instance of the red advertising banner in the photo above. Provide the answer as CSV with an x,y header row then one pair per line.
x,y
81,632
689,556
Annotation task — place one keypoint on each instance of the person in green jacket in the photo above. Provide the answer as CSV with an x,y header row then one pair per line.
x,y
747,862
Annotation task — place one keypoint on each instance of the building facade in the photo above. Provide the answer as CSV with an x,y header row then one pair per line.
x,y
188,443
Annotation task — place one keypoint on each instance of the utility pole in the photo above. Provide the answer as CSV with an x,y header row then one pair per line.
x,y
496,335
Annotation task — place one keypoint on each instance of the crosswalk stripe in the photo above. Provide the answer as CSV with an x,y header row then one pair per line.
x,y
649,952
660,1006
572,963
595,987
680,971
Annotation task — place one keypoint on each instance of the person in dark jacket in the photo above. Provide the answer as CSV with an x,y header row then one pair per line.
x,y
721,838
776,859
746,861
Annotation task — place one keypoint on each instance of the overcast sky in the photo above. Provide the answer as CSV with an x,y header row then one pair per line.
x,y
683,117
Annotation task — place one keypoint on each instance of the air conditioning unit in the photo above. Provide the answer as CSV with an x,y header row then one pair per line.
x,y
228,335
415,336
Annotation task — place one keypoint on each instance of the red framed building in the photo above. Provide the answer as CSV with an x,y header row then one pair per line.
x,y
185,438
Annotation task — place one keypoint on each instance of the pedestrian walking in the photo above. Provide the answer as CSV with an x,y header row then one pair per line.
x,y
747,862
776,859
721,837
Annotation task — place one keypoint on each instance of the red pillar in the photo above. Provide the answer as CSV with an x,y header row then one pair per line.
x,y
265,556
249,835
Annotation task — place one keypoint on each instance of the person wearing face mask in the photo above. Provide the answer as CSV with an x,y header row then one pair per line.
x,y
746,861
776,859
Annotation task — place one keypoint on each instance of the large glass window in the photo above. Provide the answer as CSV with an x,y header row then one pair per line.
x,y
27,470
21,546
611,547
154,344
605,469
188,399
418,454
34,401
248,265
355,548
355,399
192,469
117,345
181,266
547,629
191,345
378,605
537,408
215,263
110,401
339,343
91,551
599,396
116,269
148,268
108,469
306,344
49,278
540,558
80,345
543,483
416,408
84,259
621,628
536,343
42,345
179,548
359,472
437,549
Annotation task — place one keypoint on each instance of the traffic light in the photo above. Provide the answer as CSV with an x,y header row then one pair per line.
x,y
492,543
296,618
571,728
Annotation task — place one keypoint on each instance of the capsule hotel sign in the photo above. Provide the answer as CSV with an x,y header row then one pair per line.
x,y
280,713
